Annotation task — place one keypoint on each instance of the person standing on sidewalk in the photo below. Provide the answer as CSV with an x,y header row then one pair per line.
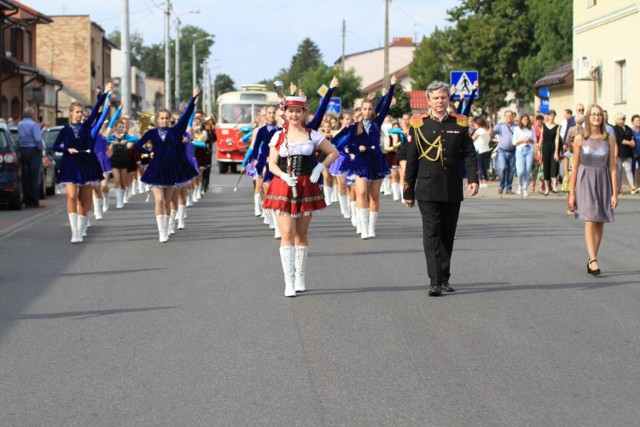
x,y
31,148
440,142
506,152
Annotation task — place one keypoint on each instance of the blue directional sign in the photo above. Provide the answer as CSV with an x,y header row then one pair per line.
x,y
335,106
544,100
463,81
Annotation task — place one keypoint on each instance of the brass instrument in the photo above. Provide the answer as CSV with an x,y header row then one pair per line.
x,y
145,121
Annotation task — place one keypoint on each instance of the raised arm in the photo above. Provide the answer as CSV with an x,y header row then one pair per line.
x,y
181,127
386,104
322,108
103,116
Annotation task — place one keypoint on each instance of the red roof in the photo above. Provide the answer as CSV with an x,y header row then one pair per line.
x,y
418,100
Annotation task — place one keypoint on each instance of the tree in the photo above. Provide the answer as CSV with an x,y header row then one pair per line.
x,y
348,90
430,60
222,84
308,57
403,102
152,60
189,34
136,42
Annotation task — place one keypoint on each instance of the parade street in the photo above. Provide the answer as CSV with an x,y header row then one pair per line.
x,y
124,330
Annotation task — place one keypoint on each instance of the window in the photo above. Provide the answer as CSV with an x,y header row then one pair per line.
x,y
27,48
620,82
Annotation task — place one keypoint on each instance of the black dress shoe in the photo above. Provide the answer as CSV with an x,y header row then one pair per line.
x,y
435,291
590,271
446,288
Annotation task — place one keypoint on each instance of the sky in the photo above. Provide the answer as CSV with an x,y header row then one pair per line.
x,y
255,39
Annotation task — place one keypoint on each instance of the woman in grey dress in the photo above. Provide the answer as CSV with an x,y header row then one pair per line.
x,y
593,193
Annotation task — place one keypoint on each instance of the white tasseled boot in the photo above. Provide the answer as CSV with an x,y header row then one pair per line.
x,y
257,202
354,214
327,194
171,229
162,230
344,206
182,210
373,218
395,190
82,227
363,221
73,223
301,265
276,229
287,255
105,201
119,198
97,208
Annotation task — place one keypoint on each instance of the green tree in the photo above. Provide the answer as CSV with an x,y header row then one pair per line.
x,y
430,60
223,84
403,102
348,89
136,43
152,60
308,57
189,34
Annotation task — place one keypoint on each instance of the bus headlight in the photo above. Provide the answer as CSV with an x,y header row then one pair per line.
x,y
229,142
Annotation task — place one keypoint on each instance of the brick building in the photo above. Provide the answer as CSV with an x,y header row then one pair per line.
x,y
75,50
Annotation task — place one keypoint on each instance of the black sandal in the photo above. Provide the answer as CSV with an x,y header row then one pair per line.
x,y
590,271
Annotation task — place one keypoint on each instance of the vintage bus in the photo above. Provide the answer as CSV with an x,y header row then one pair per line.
x,y
236,111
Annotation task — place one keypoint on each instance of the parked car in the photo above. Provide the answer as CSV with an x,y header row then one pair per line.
x,y
49,169
10,174
49,136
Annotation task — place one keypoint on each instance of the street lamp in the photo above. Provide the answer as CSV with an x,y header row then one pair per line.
x,y
177,61
193,58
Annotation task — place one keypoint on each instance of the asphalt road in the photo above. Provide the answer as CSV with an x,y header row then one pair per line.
x,y
123,330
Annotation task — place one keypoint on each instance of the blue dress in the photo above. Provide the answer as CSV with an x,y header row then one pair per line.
x,y
82,168
170,165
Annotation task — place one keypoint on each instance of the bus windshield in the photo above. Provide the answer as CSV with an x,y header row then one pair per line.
x,y
239,113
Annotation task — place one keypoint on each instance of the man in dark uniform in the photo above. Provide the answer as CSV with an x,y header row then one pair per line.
x,y
440,141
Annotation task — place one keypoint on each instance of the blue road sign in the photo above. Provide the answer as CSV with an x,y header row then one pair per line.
x,y
463,81
335,106
544,100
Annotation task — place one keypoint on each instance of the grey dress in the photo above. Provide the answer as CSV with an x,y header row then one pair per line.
x,y
593,182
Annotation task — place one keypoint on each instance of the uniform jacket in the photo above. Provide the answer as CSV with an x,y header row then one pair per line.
x,y
434,159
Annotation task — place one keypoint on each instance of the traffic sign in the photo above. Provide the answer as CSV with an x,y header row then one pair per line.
x,y
322,90
544,100
335,106
463,81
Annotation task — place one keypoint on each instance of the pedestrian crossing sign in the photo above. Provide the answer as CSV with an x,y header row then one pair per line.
x,y
335,106
463,81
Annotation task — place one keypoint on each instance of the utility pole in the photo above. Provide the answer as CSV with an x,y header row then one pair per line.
x,y
177,64
386,44
167,53
344,31
125,83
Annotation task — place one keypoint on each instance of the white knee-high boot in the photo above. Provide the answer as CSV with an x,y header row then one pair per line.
x,y
276,229
327,194
162,229
395,190
354,214
105,201
287,255
373,218
82,227
334,194
97,208
171,229
257,202
363,221
166,225
182,210
301,265
73,223
119,198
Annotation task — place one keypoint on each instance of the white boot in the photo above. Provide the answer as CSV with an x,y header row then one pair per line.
x,y
105,201
171,229
162,230
199,192
133,188
386,188
373,218
182,209
354,214
271,220
287,255
327,194
97,208
334,194
126,195
276,229
301,265
257,202
189,199
395,190
363,221
344,206
166,225
119,198
82,227
73,223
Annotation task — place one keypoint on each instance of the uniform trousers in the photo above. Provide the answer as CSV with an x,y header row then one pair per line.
x,y
439,222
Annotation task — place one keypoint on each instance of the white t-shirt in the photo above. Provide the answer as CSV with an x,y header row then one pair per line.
x,y
304,148
482,141
522,133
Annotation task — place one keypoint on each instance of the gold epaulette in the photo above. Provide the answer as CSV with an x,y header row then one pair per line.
x,y
461,120
417,120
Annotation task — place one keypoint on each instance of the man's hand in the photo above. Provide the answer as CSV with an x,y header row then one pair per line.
x,y
472,189
410,203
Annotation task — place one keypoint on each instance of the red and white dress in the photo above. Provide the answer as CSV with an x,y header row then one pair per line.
x,y
309,198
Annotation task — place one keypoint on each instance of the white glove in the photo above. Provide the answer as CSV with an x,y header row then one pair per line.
x,y
290,180
316,172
